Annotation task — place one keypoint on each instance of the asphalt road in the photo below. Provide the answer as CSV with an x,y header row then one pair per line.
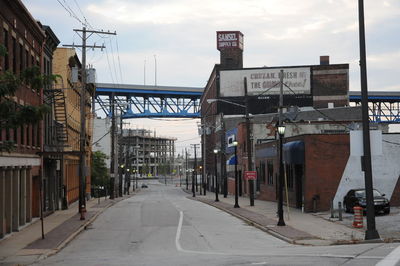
x,y
160,226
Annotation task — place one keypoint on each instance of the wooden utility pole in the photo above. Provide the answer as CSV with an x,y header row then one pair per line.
x,y
82,163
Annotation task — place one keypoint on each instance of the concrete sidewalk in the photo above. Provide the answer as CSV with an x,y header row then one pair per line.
x,y
27,246
301,228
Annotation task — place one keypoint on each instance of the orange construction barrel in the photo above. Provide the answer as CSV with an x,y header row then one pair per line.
x,y
358,217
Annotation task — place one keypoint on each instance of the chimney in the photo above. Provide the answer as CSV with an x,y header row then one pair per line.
x,y
324,60
230,45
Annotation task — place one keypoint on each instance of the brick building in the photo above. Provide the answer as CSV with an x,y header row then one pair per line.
x,y
52,139
314,86
319,168
20,169
67,64
318,164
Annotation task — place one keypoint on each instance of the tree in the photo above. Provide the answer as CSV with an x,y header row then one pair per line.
x,y
100,176
12,114
164,168
145,169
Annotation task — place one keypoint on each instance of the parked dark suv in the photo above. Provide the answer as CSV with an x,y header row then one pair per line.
x,y
357,197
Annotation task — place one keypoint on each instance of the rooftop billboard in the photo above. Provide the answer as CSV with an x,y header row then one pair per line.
x,y
265,81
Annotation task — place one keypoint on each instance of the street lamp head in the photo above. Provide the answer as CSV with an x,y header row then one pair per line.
x,y
281,130
122,166
235,143
127,169
211,100
216,151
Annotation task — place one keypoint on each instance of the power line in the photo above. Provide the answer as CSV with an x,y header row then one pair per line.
x,y
108,132
119,62
80,10
186,140
109,67
113,61
70,11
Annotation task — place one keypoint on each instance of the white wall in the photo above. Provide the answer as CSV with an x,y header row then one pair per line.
x,y
385,170
101,127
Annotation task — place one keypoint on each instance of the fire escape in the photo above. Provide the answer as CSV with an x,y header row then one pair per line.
x,y
55,97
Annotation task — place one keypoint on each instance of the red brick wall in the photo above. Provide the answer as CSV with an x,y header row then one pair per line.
x,y
231,186
395,199
330,84
231,58
326,157
268,192
208,118
325,160
24,29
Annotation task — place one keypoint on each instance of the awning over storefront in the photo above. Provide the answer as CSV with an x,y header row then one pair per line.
x,y
231,160
293,152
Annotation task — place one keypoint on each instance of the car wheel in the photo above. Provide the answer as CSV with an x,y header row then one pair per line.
x,y
345,207
387,211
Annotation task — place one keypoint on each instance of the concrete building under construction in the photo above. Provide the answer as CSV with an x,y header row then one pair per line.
x,y
139,150
143,152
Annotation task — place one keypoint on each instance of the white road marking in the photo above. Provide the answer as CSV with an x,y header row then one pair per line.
x,y
178,244
178,232
392,259
323,255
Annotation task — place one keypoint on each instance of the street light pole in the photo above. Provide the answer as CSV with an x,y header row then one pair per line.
x,y
371,232
137,166
235,143
186,168
281,132
216,174
248,140
194,170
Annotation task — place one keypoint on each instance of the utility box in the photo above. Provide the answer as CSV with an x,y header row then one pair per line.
x,y
91,75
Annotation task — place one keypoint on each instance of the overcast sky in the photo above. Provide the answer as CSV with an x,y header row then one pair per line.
x,y
181,36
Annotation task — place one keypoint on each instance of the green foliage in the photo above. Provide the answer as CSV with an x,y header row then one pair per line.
x,y
164,169
3,50
145,169
100,176
12,114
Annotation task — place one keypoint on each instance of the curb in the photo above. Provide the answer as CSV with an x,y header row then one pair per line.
x,y
262,228
287,239
77,232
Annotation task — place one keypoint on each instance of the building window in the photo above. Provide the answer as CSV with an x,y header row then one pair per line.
x,y
8,138
21,58
6,57
22,135
289,176
15,135
26,59
270,172
14,55
38,135
262,172
29,135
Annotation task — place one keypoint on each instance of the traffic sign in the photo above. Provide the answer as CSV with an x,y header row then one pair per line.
x,y
250,175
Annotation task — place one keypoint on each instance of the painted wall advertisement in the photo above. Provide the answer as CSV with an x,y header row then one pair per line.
x,y
265,81
229,39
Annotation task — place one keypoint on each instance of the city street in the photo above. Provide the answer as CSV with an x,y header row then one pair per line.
x,y
161,226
